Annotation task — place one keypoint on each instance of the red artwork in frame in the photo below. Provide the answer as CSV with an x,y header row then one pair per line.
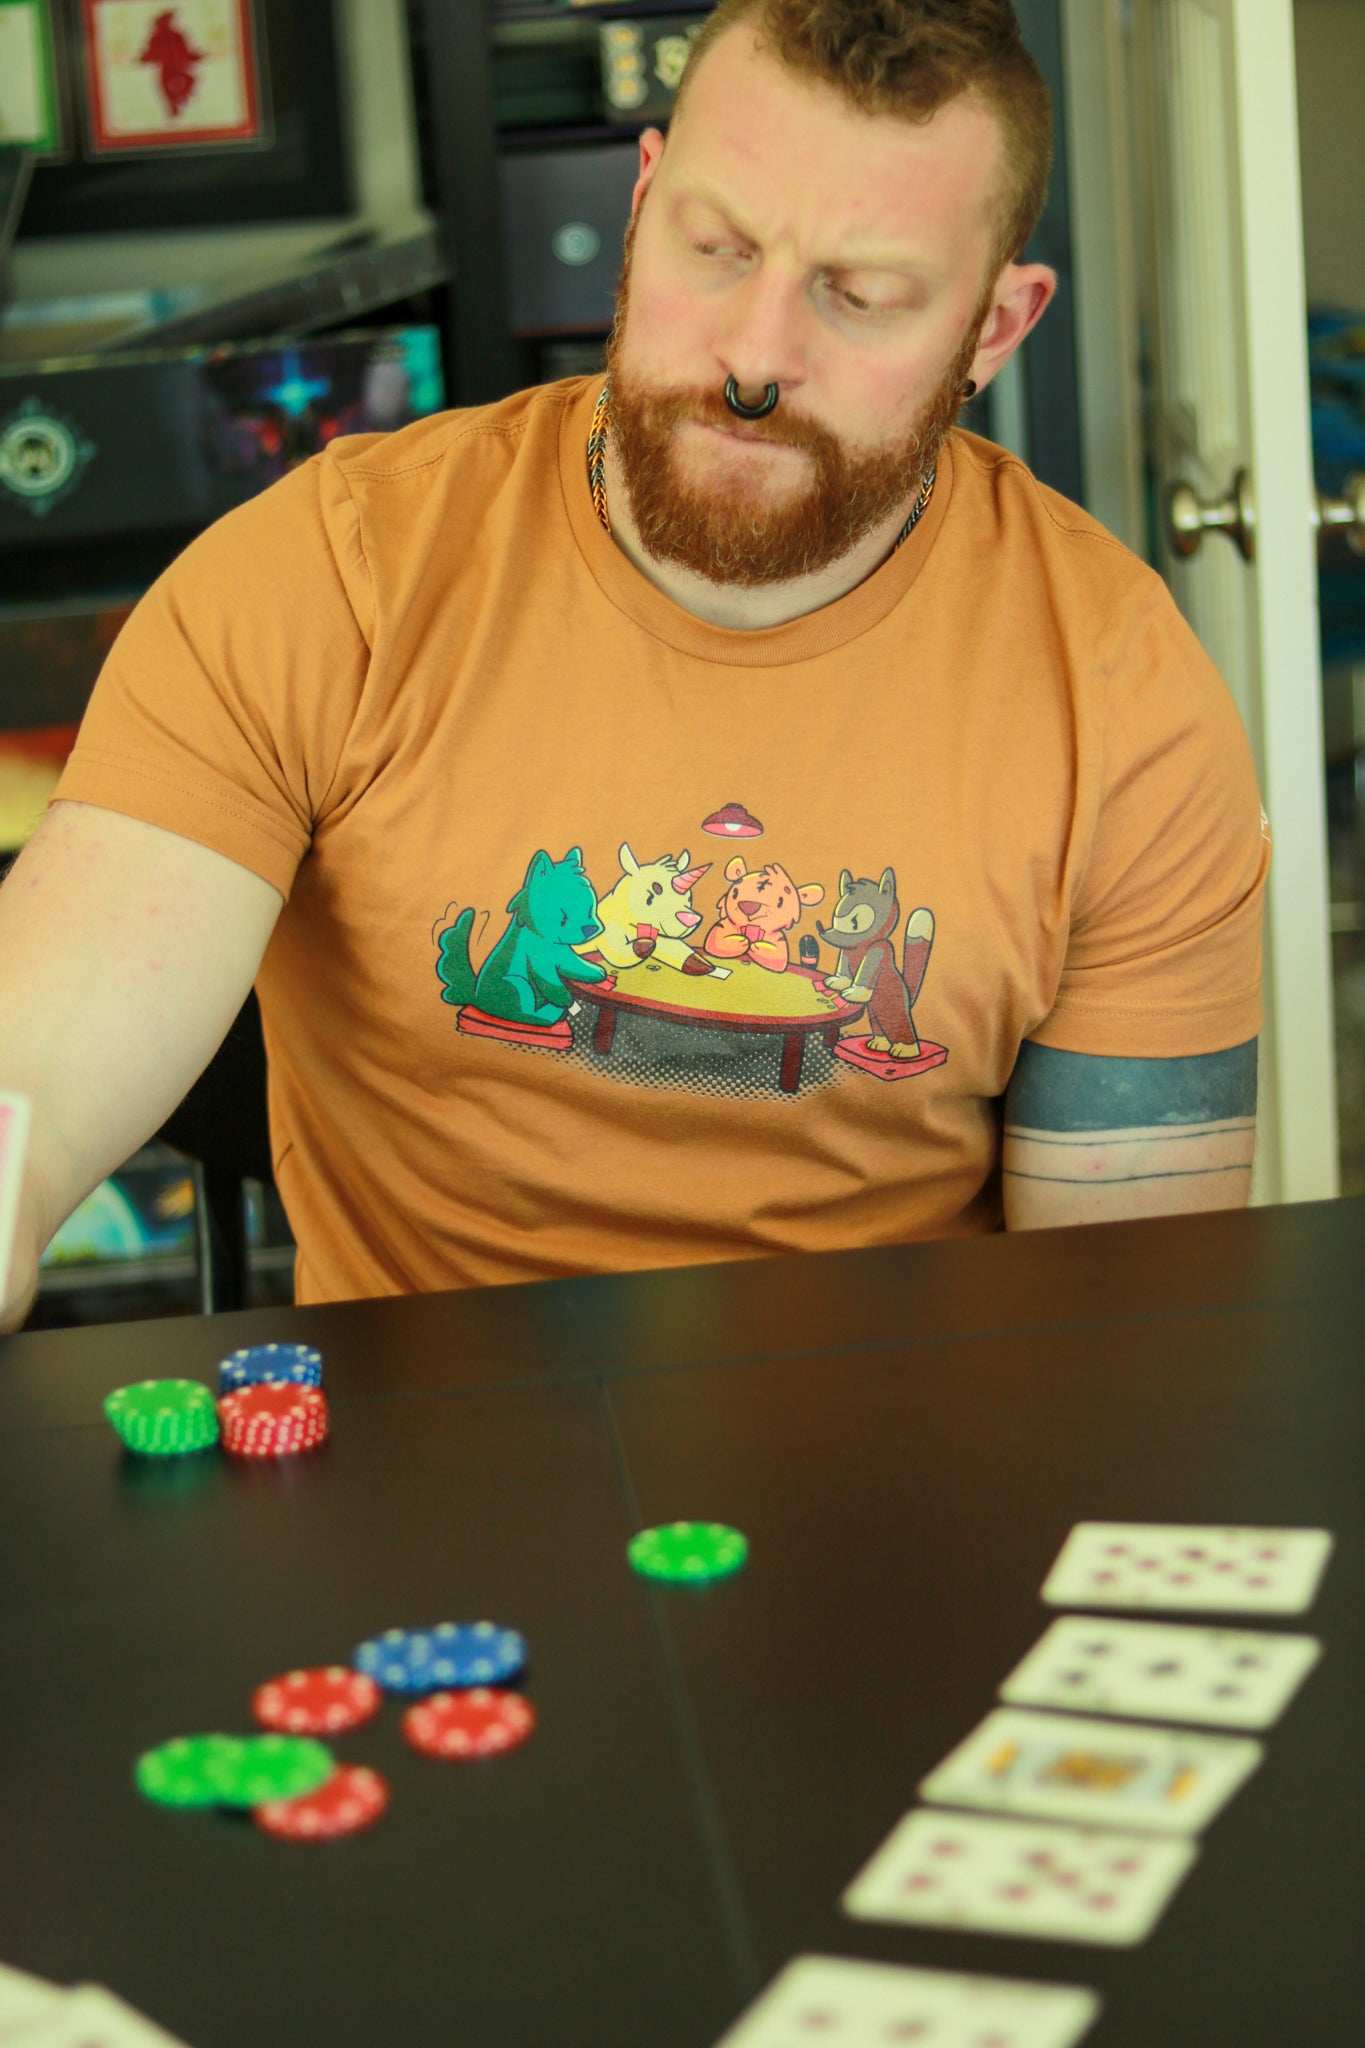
x,y
172,75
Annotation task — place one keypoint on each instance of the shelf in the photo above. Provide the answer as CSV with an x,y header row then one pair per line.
x,y
521,12
377,270
588,131
174,1268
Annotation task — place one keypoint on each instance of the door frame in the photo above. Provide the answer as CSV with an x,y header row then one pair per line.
x,y
1298,1145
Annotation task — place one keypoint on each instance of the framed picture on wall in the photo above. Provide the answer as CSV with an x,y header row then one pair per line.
x,y
263,131
31,99
173,75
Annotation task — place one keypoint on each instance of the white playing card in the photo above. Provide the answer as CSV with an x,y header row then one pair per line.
x,y
14,1120
90,2017
1101,1773
24,2000
874,2005
1221,1677
1020,1877
1216,1571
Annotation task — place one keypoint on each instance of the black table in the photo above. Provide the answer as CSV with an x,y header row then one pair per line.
x,y
906,1436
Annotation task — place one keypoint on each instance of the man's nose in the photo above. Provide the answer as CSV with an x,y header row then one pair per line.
x,y
760,342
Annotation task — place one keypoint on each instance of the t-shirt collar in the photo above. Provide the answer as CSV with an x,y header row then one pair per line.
x,y
800,639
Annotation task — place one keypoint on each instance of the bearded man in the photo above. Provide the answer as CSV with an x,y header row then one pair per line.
x,y
382,740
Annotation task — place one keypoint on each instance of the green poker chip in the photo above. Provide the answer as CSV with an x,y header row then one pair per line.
x,y
187,1771
164,1418
274,1767
688,1551
232,1770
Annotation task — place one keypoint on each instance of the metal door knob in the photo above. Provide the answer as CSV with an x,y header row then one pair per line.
x,y
1189,517
1345,514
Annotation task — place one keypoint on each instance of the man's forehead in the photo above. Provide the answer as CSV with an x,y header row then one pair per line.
x,y
753,132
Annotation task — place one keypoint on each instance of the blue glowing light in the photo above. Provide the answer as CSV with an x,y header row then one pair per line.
x,y
295,393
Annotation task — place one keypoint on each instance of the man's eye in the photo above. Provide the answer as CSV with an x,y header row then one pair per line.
x,y
852,300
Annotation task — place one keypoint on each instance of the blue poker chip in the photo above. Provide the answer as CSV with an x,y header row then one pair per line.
x,y
297,1364
444,1658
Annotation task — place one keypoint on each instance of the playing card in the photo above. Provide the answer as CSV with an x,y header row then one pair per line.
x,y
1230,1678
857,2005
1104,1773
1020,1877
1221,1571
90,2017
14,1118
23,2001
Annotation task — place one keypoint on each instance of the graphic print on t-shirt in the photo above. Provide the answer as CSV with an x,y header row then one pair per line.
x,y
521,984
635,979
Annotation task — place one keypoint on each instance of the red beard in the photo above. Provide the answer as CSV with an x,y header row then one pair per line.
x,y
730,534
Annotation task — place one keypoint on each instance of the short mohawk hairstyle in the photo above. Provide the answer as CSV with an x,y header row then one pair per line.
x,y
906,59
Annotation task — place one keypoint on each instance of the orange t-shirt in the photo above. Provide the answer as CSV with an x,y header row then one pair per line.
x,y
509,789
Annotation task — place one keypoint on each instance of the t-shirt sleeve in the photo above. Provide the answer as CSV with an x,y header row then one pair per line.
x,y
223,708
1164,953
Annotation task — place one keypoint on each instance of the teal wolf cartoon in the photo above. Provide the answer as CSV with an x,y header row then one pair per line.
x,y
522,980
866,915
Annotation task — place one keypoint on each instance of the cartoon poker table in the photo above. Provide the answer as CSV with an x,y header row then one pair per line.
x,y
746,998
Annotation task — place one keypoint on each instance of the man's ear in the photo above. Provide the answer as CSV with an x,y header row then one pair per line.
x,y
1023,293
651,156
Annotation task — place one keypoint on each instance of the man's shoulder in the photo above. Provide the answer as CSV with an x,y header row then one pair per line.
x,y
996,488
487,436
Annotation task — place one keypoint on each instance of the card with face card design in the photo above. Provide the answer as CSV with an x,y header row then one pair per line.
x,y
1033,1878
1207,1569
1115,1774
823,2000
14,1121
1217,1677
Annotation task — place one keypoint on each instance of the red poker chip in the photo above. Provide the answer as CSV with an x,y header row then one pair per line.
x,y
482,1722
319,1702
273,1420
352,1798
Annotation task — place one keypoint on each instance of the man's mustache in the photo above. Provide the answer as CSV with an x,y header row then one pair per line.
x,y
701,408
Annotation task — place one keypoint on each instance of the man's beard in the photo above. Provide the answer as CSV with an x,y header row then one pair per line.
x,y
729,533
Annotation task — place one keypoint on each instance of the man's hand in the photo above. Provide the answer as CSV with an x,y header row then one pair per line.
x,y
1092,1140
125,953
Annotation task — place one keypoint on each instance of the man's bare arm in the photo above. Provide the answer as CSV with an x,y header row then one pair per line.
x,y
1090,1140
125,953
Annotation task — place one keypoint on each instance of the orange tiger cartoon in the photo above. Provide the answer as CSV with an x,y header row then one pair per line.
x,y
756,912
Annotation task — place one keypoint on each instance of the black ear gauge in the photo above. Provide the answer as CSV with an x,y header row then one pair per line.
x,y
749,412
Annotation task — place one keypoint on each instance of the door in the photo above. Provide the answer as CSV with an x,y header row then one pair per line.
x,y
1216,141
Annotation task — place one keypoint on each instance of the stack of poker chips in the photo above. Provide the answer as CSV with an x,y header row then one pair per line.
x,y
271,1405
458,1676
273,1421
292,1783
459,1671
164,1418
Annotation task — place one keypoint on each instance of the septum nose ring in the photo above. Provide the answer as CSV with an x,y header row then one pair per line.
x,y
749,412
